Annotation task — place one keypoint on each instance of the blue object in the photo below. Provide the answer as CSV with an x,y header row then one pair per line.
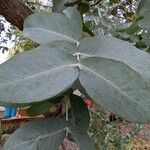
x,y
9,112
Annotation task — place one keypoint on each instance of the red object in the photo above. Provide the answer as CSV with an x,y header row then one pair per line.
x,y
89,103
22,112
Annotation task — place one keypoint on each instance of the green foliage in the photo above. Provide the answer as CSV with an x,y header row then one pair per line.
x,y
59,5
111,72
53,27
50,133
117,50
108,135
39,108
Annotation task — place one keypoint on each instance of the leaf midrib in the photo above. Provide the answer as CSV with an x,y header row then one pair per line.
x,y
38,74
96,74
62,35
39,137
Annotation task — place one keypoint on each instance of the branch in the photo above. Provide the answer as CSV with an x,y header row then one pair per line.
x,y
15,12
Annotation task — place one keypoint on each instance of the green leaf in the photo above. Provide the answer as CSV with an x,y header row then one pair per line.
x,y
82,139
47,134
87,29
40,74
116,87
132,28
8,104
79,113
118,50
64,46
83,8
74,15
144,21
50,133
43,28
144,14
41,134
78,86
143,7
39,108
59,5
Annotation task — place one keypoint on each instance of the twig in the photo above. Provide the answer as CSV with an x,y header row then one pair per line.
x,y
67,109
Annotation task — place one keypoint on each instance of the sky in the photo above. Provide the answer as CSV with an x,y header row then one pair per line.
x,y
10,44
4,56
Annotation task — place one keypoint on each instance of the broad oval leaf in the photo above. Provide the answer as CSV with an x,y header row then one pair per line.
x,y
75,16
43,28
59,5
143,7
41,134
39,108
37,75
116,49
82,139
79,112
64,46
47,134
116,87
144,22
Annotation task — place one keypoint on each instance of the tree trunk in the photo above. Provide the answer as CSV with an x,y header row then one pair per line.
x,y
15,12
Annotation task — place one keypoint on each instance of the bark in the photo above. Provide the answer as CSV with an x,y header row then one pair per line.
x,y
15,12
